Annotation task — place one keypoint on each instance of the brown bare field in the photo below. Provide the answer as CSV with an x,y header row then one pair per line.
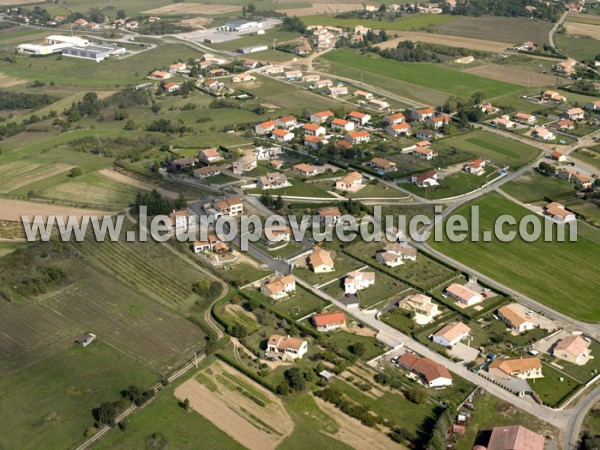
x,y
321,8
122,178
498,29
194,8
512,75
196,22
454,41
6,81
583,29
13,209
354,433
224,404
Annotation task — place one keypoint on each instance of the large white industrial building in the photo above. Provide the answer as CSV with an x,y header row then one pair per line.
x,y
72,46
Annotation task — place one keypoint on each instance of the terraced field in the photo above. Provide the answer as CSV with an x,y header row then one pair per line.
x,y
17,174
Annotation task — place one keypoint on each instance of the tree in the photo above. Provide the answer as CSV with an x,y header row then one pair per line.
x,y
295,378
157,441
279,203
186,404
416,395
546,169
121,14
201,287
75,172
358,348
105,413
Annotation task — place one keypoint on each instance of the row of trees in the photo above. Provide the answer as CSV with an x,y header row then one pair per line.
x,y
156,203
23,100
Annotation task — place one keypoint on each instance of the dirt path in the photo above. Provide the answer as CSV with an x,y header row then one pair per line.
x,y
473,44
122,178
354,433
13,209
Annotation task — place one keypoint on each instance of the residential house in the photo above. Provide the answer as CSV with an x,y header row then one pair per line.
x,y
342,125
363,94
209,155
359,118
180,221
335,91
329,215
313,142
424,153
321,116
219,72
213,85
514,437
573,349
243,78
265,153
543,134
161,75
206,246
419,304
287,122
564,124
395,254
426,179
351,182
515,319
566,67
311,78
281,135
244,164
358,137
279,287
488,108
421,115
265,127
593,106
251,64
437,122
398,129
475,167
383,165
312,129
321,84
576,178
379,104
525,118
274,180
524,367
573,114
394,119
357,281
552,96
207,171
306,170
277,233
293,75
177,68
503,122
171,87
426,135
431,373
575,7
558,156
320,261
276,164
463,295
451,334
329,321
286,348
557,212
274,70
302,50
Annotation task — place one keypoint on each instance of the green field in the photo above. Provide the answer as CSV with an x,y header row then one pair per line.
x,y
492,146
450,81
575,282
297,189
591,156
300,304
455,184
416,22
253,39
533,187
579,48
62,391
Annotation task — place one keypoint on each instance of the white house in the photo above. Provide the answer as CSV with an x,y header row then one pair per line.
x,y
432,374
557,212
279,287
357,281
475,167
342,125
463,294
281,135
543,134
451,334
329,321
514,319
286,348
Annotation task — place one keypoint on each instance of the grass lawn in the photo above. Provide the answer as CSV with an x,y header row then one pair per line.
x,y
384,288
425,272
579,48
497,327
589,155
113,73
392,406
533,187
517,104
64,389
399,320
342,263
297,189
550,389
375,191
494,147
577,261
590,211
585,372
243,273
455,184
220,179
344,339
433,76
491,411
300,304
290,248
